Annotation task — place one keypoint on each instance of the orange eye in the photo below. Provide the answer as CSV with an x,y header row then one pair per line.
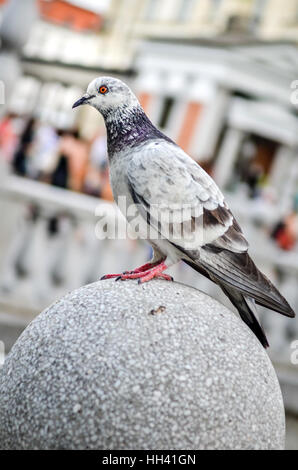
x,y
103,89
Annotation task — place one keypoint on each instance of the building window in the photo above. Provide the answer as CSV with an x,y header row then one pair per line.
x,y
151,10
165,112
214,7
259,9
185,10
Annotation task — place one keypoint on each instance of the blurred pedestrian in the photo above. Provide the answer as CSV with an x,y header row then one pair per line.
x,y
8,137
60,175
285,233
19,163
75,151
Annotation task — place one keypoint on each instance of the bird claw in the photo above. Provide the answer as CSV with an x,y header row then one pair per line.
x,y
166,277
142,274
114,276
108,276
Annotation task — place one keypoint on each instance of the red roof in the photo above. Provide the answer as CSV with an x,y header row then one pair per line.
x,y
66,14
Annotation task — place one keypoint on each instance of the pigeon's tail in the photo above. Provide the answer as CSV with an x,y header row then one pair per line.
x,y
238,271
247,311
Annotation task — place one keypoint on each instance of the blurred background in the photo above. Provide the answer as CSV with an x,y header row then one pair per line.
x,y
220,77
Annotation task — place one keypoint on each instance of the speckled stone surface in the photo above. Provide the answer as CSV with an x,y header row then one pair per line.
x,y
125,366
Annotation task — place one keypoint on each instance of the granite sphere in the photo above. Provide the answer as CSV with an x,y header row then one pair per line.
x,y
117,365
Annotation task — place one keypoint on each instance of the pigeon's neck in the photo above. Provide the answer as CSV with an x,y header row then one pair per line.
x,y
129,127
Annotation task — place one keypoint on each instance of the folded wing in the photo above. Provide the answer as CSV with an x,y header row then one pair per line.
x,y
180,200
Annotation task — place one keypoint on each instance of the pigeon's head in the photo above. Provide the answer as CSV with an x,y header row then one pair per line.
x,y
108,95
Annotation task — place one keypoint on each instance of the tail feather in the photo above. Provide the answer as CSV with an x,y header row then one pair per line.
x,y
247,311
238,271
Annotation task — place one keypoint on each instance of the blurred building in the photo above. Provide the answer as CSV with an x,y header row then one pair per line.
x,y
224,103
276,19
73,41
208,18
205,71
191,18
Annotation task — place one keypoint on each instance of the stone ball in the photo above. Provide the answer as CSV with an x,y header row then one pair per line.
x,y
117,365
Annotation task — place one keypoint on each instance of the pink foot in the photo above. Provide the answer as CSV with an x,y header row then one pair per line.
x,y
141,269
144,276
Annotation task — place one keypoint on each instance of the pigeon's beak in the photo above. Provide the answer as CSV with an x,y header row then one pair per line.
x,y
84,100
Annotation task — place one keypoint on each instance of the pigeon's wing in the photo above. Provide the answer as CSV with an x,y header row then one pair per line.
x,y
180,200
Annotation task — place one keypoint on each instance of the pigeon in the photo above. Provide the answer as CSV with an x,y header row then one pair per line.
x,y
180,209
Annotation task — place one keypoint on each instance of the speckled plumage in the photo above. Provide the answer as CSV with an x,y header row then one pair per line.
x,y
151,171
